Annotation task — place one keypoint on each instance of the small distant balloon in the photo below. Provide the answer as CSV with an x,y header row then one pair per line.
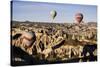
x,y
78,17
53,14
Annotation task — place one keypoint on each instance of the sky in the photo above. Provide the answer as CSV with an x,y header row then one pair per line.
x,y
40,12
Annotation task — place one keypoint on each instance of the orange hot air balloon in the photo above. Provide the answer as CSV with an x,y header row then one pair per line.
x,y
78,17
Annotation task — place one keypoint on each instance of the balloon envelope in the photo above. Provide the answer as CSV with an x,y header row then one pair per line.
x,y
53,14
78,17
28,38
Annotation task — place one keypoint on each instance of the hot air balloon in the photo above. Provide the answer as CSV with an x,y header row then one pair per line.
x,y
53,14
28,38
78,17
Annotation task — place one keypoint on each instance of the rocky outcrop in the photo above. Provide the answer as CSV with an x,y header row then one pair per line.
x,y
56,41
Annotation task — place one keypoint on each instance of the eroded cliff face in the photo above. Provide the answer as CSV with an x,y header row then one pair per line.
x,y
56,42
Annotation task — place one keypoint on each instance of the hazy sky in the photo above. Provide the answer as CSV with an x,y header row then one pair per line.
x,y
37,11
